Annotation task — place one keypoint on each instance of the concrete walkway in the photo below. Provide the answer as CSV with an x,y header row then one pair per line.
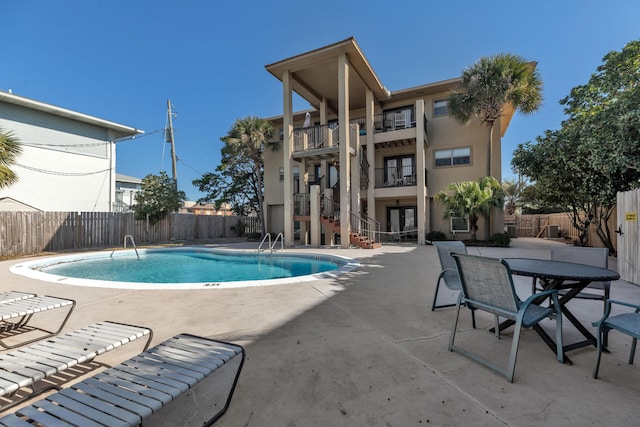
x,y
365,349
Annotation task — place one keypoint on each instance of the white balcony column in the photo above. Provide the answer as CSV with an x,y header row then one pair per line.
x,y
421,188
324,170
314,197
355,177
287,152
303,184
323,111
345,161
371,155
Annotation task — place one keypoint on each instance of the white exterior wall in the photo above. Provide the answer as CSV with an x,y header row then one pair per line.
x,y
52,192
65,165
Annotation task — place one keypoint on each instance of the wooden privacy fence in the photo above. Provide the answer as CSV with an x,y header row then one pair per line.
x,y
29,233
557,225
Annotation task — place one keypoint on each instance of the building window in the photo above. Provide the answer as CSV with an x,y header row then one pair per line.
x,y
453,157
281,174
459,224
440,107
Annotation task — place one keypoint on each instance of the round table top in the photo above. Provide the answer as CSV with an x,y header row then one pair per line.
x,y
562,270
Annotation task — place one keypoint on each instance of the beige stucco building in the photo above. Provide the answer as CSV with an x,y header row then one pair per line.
x,y
366,159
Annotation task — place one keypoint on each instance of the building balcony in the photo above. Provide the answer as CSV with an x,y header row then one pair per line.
x,y
404,176
320,142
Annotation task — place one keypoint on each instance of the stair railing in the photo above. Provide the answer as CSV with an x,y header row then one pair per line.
x,y
329,208
366,226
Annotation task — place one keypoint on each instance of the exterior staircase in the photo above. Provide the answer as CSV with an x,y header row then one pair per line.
x,y
357,239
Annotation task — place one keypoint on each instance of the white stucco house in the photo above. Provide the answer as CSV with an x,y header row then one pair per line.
x,y
126,189
68,158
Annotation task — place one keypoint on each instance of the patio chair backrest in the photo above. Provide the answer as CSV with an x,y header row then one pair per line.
x,y
597,257
487,285
447,263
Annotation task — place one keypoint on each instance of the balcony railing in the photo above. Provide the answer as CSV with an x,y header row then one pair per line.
x,y
322,136
313,137
403,118
404,176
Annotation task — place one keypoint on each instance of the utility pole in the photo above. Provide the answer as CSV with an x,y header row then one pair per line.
x,y
169,138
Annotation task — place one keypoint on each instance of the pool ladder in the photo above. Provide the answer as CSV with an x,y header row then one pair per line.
x,y
279,237
133,243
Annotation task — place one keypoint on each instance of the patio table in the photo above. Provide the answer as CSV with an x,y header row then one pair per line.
x,y
561,275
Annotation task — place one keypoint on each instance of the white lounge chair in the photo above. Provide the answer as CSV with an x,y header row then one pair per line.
x,y
27,366
17,311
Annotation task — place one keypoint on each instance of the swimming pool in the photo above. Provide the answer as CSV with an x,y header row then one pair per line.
x,y
184,268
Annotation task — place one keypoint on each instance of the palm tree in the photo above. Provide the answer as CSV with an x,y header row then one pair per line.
x,y
513,194
10,149
492,85
248,137
471,199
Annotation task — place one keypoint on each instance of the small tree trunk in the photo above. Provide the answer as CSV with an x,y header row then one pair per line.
x,y
487,219
263,225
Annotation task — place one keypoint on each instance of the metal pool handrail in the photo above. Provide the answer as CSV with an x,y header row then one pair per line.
x,y
125,245
132,242
267,236
279,237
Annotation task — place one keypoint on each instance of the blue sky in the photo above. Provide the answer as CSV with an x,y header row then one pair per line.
x,y
121,60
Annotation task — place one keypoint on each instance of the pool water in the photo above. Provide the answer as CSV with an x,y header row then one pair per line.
x,y
191,266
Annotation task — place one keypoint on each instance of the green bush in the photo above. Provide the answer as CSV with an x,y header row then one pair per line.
x,y
501,239
434,236
254,236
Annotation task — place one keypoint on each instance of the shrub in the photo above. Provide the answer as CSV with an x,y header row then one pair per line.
x,y
434,236
254,236
501,239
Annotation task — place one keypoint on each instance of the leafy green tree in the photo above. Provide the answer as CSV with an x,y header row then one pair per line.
x,y
10,149
238,179
532,202
559,166
158,198
472,199
492,85
596,153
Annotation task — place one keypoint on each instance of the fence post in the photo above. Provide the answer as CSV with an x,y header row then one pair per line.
x,y
78,222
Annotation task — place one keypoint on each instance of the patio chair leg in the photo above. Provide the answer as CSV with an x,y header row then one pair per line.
x,y
559,345
455,324
599,352
435,297
633,350
605,336
514,351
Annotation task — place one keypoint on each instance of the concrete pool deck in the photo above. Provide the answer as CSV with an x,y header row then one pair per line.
x,y
365,349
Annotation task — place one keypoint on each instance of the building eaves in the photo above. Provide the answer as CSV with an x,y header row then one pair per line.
x,y
120,129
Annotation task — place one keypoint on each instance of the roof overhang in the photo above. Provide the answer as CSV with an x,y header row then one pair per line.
x,y
120,130
314,75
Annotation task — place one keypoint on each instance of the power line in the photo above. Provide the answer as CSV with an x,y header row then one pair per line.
x,y
49,172
189,166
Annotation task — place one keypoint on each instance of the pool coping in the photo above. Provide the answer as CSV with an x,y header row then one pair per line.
x,y
26,269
